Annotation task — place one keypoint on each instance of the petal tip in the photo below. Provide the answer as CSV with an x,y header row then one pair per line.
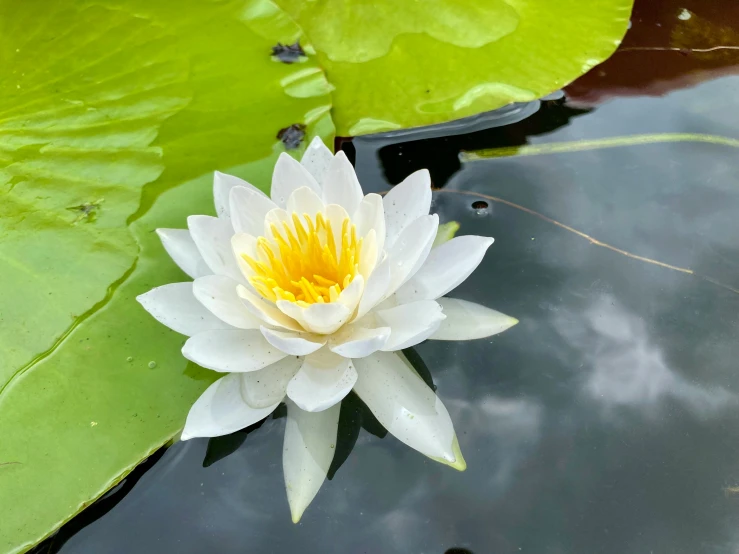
x,y
453,459
296,514
460,464
317,142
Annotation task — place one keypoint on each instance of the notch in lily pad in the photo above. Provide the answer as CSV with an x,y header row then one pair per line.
x,y
292,136
288,53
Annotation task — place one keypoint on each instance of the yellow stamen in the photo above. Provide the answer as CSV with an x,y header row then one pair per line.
x,y
302,262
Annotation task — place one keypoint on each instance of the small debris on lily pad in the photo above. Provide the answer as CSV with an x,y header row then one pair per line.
x,y
288,53
87,211
292,136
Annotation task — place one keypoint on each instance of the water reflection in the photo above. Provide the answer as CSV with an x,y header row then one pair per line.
x,y
509,428
625,368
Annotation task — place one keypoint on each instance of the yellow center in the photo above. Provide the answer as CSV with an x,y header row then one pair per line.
x,y
305,264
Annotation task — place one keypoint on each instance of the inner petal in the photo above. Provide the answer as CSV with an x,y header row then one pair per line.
x,y
306,259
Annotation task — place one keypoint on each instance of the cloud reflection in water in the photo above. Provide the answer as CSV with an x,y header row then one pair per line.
x,y
627,369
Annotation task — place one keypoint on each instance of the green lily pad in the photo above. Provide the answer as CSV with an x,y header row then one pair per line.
x,y
104,107
407,64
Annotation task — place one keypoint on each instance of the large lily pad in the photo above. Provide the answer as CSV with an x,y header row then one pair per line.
x,y
103,106
406,64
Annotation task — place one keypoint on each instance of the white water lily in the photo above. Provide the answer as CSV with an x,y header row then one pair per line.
x,y
310,293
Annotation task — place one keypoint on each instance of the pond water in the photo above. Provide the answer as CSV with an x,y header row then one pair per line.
x,y
606,421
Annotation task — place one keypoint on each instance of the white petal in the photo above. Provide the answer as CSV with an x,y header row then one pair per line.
x,y
265,310
248,208
307,453
336,215
323,319
445,268
175,306
369,255
222,185
222,410
340,184
352,294
277,218
411,250
218,294
323,380
244,244
234,350
267,386
212,236
295,344
288,176
371,215
358,342
405,203
467,320
181,248
304,201
410,323
407,407
316,159
374,291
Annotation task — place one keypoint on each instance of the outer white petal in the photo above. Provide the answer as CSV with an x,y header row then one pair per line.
x,y
218,294
374,291
405,203
304,201
248,208
340,184
410,323
175,306
266,387
222,410
181,248
323,380
445,268
323,319
411,250
212,236
407,407
222,185
467,320
358,342
266,310
234,350
307,453
316,159
370,215
288,176
295,344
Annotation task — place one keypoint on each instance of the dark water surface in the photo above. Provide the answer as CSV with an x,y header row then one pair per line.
x,y
607,421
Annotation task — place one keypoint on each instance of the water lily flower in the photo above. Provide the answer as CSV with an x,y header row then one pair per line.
x,y
309,293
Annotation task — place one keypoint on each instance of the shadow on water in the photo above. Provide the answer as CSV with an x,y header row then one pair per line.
x,y
440,154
